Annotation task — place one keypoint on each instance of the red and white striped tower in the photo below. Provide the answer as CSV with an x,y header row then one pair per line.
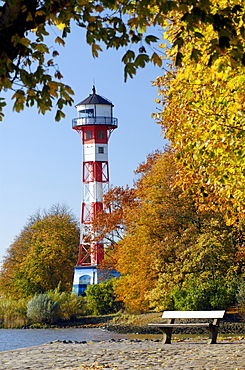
x,y
94,123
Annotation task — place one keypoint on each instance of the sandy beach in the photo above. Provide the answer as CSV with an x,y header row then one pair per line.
x,y
128,354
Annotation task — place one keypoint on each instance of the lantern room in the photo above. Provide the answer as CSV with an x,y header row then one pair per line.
x,y
95,110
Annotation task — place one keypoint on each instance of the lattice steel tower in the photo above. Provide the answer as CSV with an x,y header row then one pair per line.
x,y
95,123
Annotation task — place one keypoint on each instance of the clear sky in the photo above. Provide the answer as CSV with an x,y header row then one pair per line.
x,y
40,159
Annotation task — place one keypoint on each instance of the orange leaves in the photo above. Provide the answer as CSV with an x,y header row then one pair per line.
x,y
110,223
166,241
149,219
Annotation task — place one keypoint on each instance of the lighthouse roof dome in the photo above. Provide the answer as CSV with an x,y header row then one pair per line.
x,y
95,99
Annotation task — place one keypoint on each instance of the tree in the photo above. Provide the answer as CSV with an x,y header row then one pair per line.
x,y
110,223
153,224
42,256
26,61
168,242
27,64
203,118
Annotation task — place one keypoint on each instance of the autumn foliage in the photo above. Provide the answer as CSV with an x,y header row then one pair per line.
x,y
169,252
28,63
203,111
42,256
169,245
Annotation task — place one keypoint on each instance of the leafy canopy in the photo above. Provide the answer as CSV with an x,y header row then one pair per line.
x,y
203,117
27,62
168,243
42,256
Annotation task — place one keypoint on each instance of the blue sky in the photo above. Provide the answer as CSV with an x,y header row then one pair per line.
x,y
40,159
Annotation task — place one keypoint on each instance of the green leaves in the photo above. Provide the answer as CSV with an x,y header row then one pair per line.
x,y
195,55
59,115
43,98
179,58
133,62
2,104
20,100
95,50
141,60
151,38
128,57
102,299
119,24
156,59
131,67
60,41
129,70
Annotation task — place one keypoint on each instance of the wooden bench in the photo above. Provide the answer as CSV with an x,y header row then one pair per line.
x,y
167,328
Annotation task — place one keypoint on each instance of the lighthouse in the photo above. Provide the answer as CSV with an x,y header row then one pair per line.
x,y
94,123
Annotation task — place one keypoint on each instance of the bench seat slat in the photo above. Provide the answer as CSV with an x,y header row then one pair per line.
x,y
193,314
201,324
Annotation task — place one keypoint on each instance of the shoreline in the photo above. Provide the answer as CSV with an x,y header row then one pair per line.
x,y
232,323
125,354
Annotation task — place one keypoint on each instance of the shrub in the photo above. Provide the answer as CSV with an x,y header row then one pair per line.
x,y
211,294
101,298
69,305
42,309
13,313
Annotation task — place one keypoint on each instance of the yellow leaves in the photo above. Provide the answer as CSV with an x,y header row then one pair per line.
x,y
34,260
29,17
204,119
68,90
31,93
60,26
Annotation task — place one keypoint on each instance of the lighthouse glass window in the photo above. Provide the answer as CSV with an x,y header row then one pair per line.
x,y
88,135
101,150
84,113
100,134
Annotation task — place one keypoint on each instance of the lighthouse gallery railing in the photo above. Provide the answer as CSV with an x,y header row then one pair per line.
x,y
100,120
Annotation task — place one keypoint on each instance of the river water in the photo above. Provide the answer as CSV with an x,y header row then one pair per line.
x,y
20,338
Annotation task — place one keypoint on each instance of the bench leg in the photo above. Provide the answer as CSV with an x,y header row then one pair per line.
x,y
167,334
213,334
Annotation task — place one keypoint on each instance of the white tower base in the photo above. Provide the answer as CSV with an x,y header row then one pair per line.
x,y
89,275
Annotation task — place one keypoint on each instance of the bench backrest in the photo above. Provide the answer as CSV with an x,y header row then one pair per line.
x,y
193,314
